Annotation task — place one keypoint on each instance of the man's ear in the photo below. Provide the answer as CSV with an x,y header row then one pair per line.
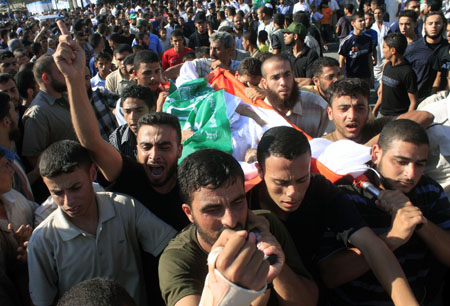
x,y
188,212
377,153
45,77
93,173
330,113
263,83
260,170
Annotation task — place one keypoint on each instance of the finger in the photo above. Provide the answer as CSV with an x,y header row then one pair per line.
x,y
230,251
62,27
10,227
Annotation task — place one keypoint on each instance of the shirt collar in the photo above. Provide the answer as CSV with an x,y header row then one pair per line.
x,y
127,135
10,155
68,231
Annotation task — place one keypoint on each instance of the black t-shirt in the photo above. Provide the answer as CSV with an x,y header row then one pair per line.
x,y
302,63
133,181
398,81
198,40
441,62
324,207
356,49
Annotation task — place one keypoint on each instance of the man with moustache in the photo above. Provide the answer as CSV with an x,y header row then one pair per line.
x,y
421,53
325,71
47,120
306,110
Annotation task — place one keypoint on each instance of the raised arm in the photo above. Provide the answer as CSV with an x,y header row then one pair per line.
x,y
70,60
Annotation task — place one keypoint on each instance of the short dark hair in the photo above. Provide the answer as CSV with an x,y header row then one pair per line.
x,y
403,130
43,65
95,39
408,13
251,36
349,7
250,66
352,87
318,65
139,92
129,60
123,48
176,33
357,15
409,1
97,292
397,41
5,54
4,105
303,18
435,5
5,77
63,157
161,118
282,141
279,20
201,51
432,13
102,55
24,80
209,168
146,56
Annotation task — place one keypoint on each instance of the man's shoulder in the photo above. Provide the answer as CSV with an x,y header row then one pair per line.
x,y
309,97
113,75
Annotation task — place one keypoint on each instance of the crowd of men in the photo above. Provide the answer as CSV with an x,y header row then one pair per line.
x,y
97,207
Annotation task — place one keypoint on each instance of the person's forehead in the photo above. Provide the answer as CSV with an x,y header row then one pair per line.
x,y
133,103
7,85
157,133
67,180
326,70
224,194
277,67
216,44
401,148
8,59
350,100
405,19
122,54
148,67
279,167
434,18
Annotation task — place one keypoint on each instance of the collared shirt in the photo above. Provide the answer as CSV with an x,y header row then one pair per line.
x,y
19,210
309,114
102,102
154,44
116,82
46,122
97,81
61,255
124,140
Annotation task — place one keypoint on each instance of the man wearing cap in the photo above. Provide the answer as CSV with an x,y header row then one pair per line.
x,y
300,55
200,38
133,21
211,17
155,43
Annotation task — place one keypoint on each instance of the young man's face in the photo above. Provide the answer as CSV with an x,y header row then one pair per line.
x,y
103,66
11,89
133,110
214,210
249,80
286,181
401,165
9,65
414,5
177,42
387,51
201,27
149,75
120,57
369,20
289,39
378,14
73,192
349,115
327,78
158,150
434,26
406,26
359,24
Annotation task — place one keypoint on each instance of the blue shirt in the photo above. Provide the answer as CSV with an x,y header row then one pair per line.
x,y
155,44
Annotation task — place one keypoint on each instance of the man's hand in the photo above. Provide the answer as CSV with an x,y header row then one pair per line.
x,y
69,56
160,102
404,222
217,63
185,134
22,235
392,200
240,261
254,92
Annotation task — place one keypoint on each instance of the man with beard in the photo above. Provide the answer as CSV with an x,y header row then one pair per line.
x,y
9,135
48,118
325,71
238,25
212,187
421,53
300,55
306,110
8,63
411,215
152,178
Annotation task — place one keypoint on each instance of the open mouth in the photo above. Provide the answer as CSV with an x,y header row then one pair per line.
x,y
156,170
